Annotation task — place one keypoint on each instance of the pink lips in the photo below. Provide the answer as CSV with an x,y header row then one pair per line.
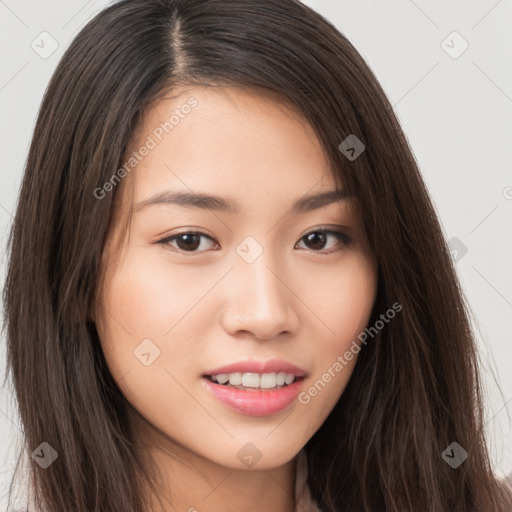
x,y
256,402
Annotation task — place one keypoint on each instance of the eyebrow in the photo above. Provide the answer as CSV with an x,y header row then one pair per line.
x,y
197,200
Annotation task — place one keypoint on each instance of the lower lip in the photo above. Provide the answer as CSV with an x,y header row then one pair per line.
x,y
255,403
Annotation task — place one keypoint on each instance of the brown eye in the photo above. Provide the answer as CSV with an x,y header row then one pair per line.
x,y
316,240
189,241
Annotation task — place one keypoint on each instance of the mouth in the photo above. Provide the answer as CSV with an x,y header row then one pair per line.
x,y
252,393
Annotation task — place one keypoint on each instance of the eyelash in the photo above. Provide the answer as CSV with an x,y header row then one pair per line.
x,y
343,238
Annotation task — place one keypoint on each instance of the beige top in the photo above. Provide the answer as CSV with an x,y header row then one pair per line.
x,y
303,499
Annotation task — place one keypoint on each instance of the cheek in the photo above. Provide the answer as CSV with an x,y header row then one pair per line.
x,y
342,299
345,304
142,305
149,296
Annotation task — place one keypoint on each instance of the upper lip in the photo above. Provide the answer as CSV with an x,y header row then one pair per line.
x,y
252,366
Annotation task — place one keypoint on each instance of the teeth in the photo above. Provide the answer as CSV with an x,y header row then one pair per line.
x,y
222,378
235,379
254,380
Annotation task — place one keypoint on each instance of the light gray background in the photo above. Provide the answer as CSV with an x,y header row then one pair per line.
x,y
456,113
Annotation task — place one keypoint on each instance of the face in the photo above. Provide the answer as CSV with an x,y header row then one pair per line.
x,y
272,285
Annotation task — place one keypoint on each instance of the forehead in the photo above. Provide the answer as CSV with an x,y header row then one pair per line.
x,y
225,138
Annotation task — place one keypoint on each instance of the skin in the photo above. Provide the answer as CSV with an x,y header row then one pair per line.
x,y
309,302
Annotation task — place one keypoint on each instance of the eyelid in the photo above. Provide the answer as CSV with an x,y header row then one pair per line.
x,y
327,228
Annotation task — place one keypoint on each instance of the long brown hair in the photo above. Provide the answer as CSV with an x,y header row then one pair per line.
x,y
415,388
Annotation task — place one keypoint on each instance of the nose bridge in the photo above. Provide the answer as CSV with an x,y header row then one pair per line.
x,y
261,282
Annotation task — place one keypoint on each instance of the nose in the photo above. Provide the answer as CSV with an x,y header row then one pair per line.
x,y
259,301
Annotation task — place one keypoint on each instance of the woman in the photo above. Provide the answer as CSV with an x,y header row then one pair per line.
x,y
227,287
